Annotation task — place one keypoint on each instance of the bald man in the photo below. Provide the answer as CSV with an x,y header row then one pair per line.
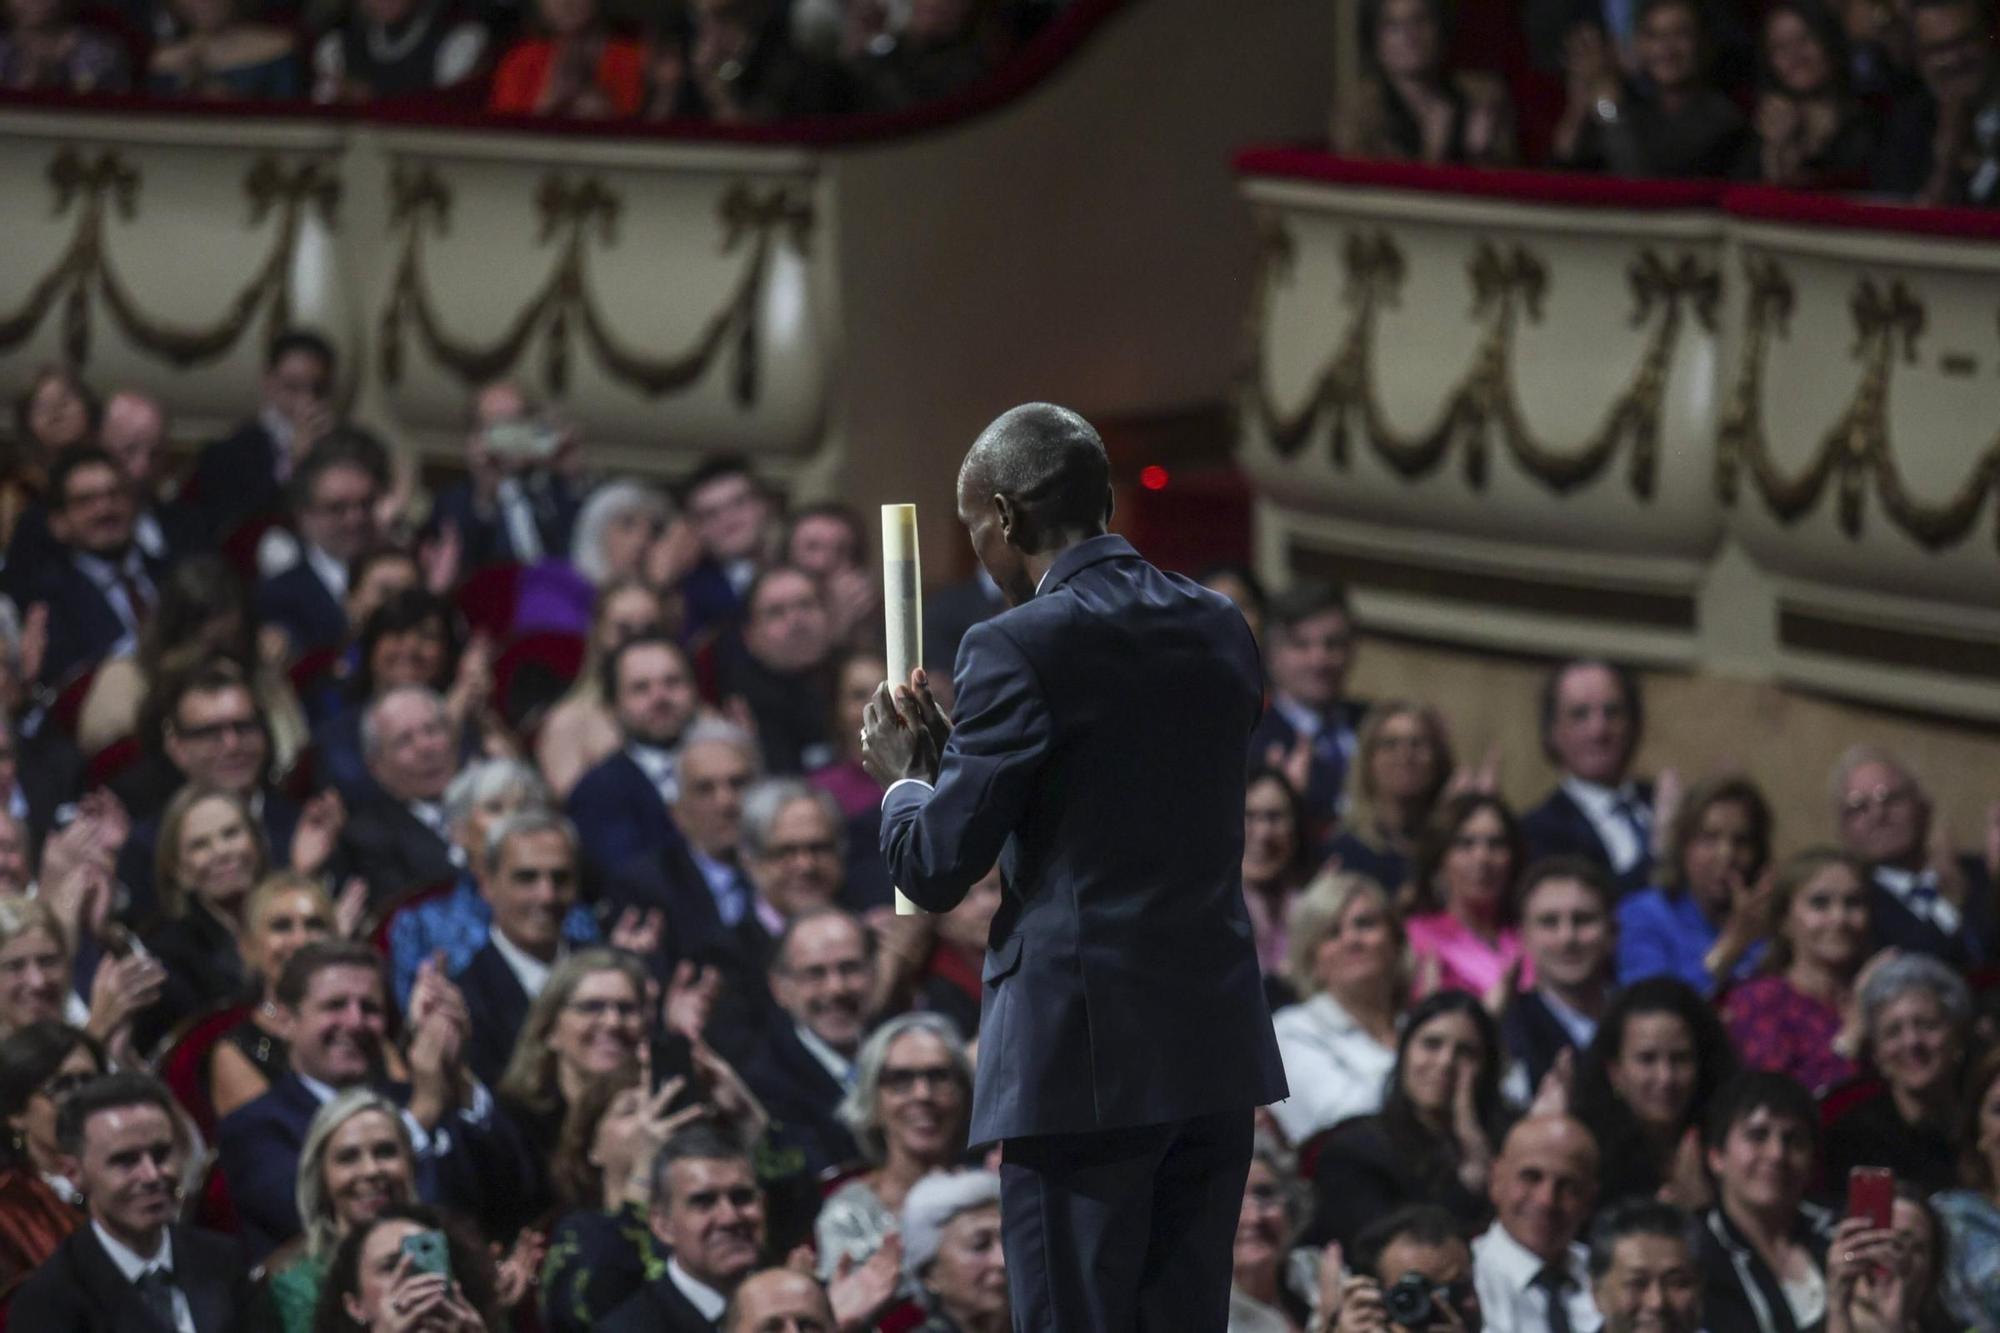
x,y
1532,1274
1097,754
778,1300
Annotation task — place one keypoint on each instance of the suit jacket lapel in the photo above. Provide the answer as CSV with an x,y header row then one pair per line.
x,y
116,1300
206,1286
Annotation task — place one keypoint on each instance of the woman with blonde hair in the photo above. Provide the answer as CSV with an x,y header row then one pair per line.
x,y
579,731
35,971
588,1022
1339,1043
210,854
1403,769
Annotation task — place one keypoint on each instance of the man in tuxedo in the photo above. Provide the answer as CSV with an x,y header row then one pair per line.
x,y
1921,899
1567,928
1312,652
735,521
621,805
243,475
708,1216
820,977
529,879
132,1269
518,504
782,669
1098,755
102,587
399,840
334,497
1592,718
1531,1273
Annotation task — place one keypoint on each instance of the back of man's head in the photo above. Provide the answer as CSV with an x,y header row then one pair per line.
x,y
1047,460
778,1298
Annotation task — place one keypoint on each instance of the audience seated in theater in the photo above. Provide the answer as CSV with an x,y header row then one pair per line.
x,y
1411,104
948,613
40,1065
938,958
456,925
1764,1250
134,431
1467,867
1809,130
1641,1086
821,975
335,496
575,66
285,913
939,50
791,836
1529,1259
125,1152
57,411
45,48
579,731
325,678
740,69
1270,1290
857,673
1971,1212
623,530
97,584
371,1288
1667,120
243,475
1422,1241
398,839
519,503
781,670
1915,1025
622,806
1568,932
217,52
210,857
1704,921
1404,770
36,967
1592,721
1309,732
1798,1017
396,48
1339,1042
1276,862
1643,1272
829,542
735,524
1434,1138
707,1214
356,1163
907,1110
1934,144
1923,896
1550,25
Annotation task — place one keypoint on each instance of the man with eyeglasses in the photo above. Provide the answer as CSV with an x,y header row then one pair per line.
x,y
735,521
334,496
398,840
822,978
1592,720
1922,899
101,591
708,1216
1416,1249
243,475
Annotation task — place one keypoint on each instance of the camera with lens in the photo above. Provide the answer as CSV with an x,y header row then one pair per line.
x,y
1412,1301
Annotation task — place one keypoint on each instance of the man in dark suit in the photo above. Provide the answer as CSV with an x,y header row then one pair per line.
x,y
334,495
1311,654
780,666
517,506
132,1269
1568,910
102,588
399,840
1098,755
1921,899
819,978
708,1216
39,775
243,475
529,879
135,433
1592,718
621,806
735,521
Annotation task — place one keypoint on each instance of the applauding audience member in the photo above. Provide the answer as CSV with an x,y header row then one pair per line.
x,y
1567,931
1467,866
1412,105
1915,1026
396,48
1933,143
1311,729
1404,769
1809,130
573,67
220,54
1704,922
1764,1249
1531,1271
708,1216
40,1066
580,731
1668,121
46,49
285,913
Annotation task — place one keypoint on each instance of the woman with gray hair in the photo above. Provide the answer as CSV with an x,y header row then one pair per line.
x,y
1274,1288
908,1110
952,1253
615,530
1913,1014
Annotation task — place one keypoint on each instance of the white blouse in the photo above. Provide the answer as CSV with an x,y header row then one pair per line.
x,y
1335,1067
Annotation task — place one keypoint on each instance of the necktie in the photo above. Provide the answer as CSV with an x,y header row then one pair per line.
x,y
1637,818
135,597
156,1290
1554,1282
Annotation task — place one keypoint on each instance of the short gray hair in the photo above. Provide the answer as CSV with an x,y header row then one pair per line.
x,y
1857,755
716,731
859,1111
931,1205
485,779
371,718
763,803
606,503
1906,974
521,824
309,1192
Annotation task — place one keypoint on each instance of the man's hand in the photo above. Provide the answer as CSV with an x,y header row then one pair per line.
x,y
904,733
860,1292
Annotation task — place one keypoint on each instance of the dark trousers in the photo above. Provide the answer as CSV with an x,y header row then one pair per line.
x,y
1122,1230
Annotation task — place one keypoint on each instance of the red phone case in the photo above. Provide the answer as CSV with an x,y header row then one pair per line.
x,y
1871,1193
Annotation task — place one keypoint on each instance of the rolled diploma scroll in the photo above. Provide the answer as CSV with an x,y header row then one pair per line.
x,y
903,610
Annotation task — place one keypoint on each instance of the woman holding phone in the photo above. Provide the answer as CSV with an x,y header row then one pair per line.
x,y
407,1270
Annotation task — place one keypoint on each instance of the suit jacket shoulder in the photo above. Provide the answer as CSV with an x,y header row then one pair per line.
x,y
657,1308
493,992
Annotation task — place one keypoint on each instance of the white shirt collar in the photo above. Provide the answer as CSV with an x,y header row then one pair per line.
x,y
833,1061
279,427
1597,800
530,971
1516,1266
321,1092
327,570
660,767
64,1188
1902,885
741,574
129,1261
1580,1027
704,1298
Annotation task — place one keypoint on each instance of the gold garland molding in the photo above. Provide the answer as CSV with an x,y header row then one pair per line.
x,y
571,212
94,184
1508,286
1888,322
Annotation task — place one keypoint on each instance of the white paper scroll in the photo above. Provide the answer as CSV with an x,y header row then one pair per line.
x,y
903,610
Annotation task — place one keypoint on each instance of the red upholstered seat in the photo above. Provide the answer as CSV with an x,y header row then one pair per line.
x,y
487,600
1844,1097
107,764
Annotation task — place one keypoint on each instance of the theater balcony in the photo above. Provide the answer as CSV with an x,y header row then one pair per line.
x,y
1732,430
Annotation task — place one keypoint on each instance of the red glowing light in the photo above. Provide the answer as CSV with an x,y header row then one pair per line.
x,y
1154,477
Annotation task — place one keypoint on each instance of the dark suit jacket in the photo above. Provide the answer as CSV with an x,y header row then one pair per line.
x,y
493,992
486,538
1977,941
1325,778
50,772
392,849
82,626
710,599
80,1290
619,814
801,1097
1533,1035
306,609
669,881
1098,757
793,709
236,478
1558,827
658,1307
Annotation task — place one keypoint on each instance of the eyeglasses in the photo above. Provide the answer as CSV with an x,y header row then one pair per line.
x,y
904,1080
1880,799
600,1008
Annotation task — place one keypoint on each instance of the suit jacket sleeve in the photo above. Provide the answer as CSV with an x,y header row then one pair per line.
x,y
261,1166
939,843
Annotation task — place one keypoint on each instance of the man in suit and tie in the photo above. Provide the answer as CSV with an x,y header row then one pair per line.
x,y
529,879
1098,755
1921,898
735,521
1568,908
399,839
708,1216
1592,718
1311,654
243,475
621,805
780,666
135,433
334,495
102,588
132,1269
517,505
820,978
1531,1273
